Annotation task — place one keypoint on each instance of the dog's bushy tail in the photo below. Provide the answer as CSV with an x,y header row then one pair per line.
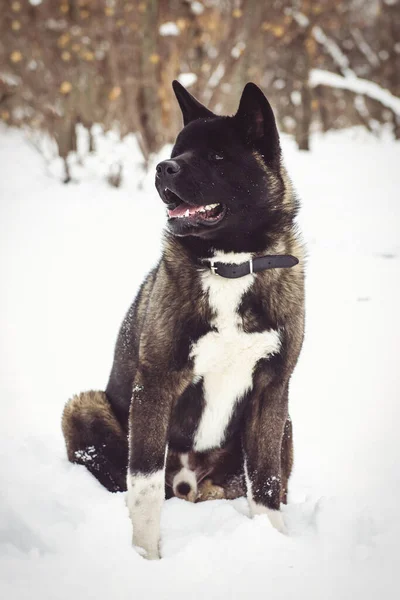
x,y
94,438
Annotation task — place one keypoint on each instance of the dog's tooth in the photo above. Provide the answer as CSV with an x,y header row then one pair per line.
x,y
187,213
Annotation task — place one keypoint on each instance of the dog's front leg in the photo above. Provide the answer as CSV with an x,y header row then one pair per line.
x,y
262,443
148,431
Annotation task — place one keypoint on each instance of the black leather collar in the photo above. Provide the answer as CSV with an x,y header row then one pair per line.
x,y
254,265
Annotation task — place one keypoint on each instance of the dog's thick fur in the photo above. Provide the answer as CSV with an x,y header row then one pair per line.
x,y
197,401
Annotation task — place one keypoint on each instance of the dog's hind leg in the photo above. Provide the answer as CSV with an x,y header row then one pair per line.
x,y
95,438
286,458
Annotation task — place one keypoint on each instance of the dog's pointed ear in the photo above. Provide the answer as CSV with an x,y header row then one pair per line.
x,y
256,122
191,108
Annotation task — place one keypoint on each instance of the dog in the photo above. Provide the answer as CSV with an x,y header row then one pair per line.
x,y
197,401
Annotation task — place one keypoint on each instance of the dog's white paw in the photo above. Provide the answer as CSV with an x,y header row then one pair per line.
x,y
150,554
275,516
144,499
276,519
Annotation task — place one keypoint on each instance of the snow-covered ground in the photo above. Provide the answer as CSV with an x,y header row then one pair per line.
x,y
71,258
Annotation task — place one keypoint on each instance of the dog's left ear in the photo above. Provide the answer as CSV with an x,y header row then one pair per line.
x,y
256,121
191,108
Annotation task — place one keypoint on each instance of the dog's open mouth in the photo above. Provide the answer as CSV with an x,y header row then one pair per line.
x,y
177,209
208,212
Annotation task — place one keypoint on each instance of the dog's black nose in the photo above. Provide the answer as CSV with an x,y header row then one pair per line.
x,y
167,167
183,488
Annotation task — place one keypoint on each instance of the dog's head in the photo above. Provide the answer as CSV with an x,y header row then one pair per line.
x,y
224,176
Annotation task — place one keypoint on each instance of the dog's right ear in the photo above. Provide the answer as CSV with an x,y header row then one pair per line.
x,y
191,108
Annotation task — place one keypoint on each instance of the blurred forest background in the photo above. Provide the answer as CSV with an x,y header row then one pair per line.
x,y
324,64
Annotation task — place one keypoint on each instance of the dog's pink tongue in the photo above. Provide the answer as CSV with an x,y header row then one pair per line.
x,y
180,210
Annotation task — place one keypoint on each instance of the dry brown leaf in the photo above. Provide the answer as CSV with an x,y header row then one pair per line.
x,y
114,93
65,87
16,56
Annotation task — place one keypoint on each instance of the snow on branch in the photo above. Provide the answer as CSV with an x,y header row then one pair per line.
x,y
356,85
333,49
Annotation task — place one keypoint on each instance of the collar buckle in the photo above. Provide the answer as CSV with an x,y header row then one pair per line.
x,y
213,267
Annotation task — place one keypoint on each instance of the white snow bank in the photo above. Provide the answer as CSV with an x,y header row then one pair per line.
x,y
72,258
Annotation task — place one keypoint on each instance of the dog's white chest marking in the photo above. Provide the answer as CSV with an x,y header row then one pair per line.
x,y
225,358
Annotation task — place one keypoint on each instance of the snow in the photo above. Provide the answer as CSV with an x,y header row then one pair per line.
x,y
295,97
333,49
187,79
357,85
349,80
301,18
197,8
365,48
169,28
72,258
216,76
10,79
238,50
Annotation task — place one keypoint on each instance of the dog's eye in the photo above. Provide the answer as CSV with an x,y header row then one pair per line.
x,y
216,156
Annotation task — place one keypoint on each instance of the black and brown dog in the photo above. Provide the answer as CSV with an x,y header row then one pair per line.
x,y
197,401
